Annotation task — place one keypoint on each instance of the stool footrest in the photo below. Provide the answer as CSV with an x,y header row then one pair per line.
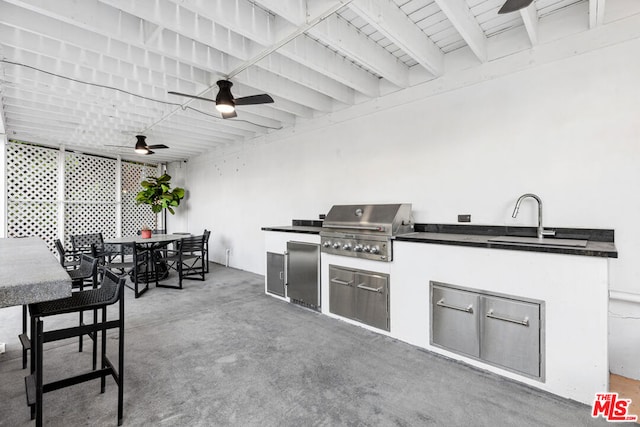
x,y
30,382
30,387
25,341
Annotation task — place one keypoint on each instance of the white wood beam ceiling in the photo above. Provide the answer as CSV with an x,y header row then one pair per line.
x,y
94,73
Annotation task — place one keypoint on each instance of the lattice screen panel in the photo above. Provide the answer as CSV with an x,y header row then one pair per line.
x,y
32,178
89,178
90,195
135,216
85,218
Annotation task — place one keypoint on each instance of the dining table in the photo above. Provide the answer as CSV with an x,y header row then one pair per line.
x,y
30,273
151,246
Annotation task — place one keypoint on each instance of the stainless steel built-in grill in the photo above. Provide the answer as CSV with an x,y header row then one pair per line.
x,y
365,231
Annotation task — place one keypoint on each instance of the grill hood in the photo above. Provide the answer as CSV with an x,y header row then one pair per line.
x,y
385,219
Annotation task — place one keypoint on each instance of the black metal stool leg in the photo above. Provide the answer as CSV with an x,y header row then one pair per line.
x,y
103,350
24,332
94,336
39,337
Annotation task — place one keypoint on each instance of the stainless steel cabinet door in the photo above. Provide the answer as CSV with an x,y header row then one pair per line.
x,y
342,292
275,273
454,320
303,273
372,300
511,334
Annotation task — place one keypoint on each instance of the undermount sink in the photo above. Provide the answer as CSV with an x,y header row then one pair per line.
x,y
545,241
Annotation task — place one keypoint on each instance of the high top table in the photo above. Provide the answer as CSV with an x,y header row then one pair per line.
x,y
30,273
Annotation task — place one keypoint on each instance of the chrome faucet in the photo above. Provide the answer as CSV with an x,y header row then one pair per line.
x,y
541,230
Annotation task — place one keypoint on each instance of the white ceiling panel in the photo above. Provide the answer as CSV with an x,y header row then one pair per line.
x,y
93,74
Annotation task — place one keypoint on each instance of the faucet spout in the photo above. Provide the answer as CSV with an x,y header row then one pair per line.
x,y
540,232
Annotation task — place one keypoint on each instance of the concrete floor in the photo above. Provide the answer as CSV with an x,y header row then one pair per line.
x,y
220,352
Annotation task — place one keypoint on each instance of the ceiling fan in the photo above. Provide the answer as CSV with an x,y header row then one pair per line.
x,y
226,103
513,5
141,146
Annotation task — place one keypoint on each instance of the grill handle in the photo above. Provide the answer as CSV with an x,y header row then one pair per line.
x,y
356,227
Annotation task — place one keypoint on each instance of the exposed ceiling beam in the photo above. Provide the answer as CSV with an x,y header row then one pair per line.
x,y
178,19
386,17
346,39
530,18
125,28
596,13
458,13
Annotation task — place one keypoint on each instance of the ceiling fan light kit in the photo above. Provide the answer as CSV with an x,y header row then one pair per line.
x,y
514,5
226,103
224,99
141,145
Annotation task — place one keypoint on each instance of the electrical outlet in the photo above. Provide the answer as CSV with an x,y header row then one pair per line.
x,y
464,218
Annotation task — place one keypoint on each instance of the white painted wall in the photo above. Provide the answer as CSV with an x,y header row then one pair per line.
x,y
567,130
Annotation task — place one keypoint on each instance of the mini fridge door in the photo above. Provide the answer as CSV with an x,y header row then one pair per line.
x,y
303,273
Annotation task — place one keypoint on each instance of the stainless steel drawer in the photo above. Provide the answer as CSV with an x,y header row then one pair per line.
x,y
342,292
275,273
511,334
454,319
372,300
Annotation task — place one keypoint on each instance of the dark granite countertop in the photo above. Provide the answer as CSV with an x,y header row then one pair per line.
x,y
600,242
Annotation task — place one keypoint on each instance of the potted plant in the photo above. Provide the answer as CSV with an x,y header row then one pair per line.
x,y
157,193
145,232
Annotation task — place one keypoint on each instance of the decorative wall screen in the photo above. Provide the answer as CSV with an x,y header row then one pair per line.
x,y
32,190
135,216
90,194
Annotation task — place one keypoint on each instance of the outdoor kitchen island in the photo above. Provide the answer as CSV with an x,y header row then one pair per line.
x,y
567,285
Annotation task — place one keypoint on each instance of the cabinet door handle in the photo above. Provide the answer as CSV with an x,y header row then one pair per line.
x,y
468,309
523,322
342,282
367,288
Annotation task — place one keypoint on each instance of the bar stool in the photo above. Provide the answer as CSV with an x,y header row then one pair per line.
x,y
110,291
86,273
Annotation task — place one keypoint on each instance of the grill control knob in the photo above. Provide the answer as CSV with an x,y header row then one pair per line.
x,y
336,245
326,244
375,249
358,248
346,246
366,248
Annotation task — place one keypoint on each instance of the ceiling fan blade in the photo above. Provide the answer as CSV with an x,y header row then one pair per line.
x,y
254,99
513,5
156,147
119,146
148,152
229,115
191,96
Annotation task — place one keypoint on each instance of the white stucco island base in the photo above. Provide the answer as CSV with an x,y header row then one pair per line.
x,y
572,288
